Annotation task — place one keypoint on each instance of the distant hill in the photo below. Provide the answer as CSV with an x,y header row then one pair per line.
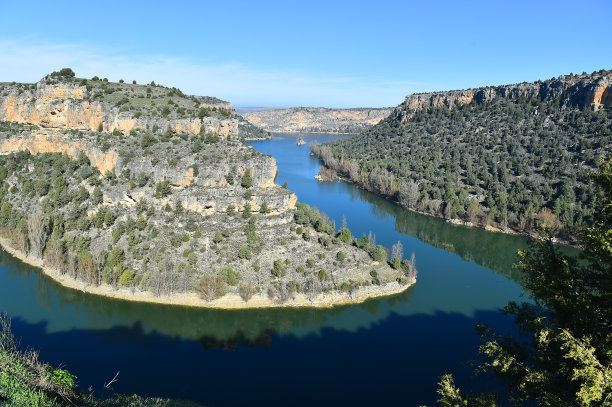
x,y
510,156
317,119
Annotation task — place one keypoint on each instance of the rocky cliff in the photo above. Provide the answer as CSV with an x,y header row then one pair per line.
x,y
98,105
316,120
594,91
143,188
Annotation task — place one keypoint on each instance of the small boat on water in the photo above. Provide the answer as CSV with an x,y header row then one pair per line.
x,y
300,141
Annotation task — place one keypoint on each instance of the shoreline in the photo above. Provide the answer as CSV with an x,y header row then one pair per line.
x,y
320,177
191,299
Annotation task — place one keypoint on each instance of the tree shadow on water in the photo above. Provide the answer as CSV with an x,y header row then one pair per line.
x,y
397,360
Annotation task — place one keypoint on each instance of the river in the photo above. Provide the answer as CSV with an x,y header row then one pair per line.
x,y
383,352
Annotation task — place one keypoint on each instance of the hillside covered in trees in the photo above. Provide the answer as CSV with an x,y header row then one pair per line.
x,y
513,156
156,192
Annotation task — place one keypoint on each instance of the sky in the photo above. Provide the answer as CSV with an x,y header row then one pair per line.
x,y
306,53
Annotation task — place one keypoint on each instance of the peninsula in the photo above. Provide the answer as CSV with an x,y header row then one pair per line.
x,y
143,193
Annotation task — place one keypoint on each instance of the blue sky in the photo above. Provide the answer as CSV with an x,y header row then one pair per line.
x,y
314,53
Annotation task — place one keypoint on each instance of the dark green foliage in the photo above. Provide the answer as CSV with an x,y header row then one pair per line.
x,y
229,177
247,179
244,252
65,72
562,352
520,154
363,242
378,253
345,235
147,140
304,215
278,269
109,218
162,189
246,213
229,276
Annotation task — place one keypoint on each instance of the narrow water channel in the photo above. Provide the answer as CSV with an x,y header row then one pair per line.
x,y
383,352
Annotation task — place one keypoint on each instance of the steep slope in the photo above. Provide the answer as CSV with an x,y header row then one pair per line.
x,y
511,157
317,120
154,195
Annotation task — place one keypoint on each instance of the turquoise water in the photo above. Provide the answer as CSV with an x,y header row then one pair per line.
x,y
382,352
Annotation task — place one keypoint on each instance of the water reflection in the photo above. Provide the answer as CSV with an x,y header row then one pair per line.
x,y
391,350
75,309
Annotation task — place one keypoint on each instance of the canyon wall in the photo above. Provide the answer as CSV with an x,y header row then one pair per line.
x,y
592,91
317,120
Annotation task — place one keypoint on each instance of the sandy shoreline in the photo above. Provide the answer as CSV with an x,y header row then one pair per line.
x,y
229,301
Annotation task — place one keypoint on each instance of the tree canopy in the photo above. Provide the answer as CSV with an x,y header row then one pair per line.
x,y
563,354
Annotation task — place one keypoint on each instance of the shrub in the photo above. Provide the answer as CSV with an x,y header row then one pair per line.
x,y
264,208
244,252
246,213
97,196
325,241
340,256
322,275
65,72
126,278
246,290
109,218
278,269
211,286
378,253
345,235
229,275
247,179
116,234
162,189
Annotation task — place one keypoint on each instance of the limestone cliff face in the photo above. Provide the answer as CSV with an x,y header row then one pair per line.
x,y
316,120
206,179
54,141
64,106
585,90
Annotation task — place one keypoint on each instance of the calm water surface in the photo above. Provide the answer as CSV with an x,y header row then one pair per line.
x,y
382,352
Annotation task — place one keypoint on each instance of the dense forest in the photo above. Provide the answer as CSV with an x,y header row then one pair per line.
x,y
512,161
